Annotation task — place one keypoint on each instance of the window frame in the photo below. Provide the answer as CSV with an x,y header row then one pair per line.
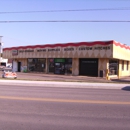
x,y
127,65
122,65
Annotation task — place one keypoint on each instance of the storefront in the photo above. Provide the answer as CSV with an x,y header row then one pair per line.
x,y
98,58
36,64
55,65
63,65
113,67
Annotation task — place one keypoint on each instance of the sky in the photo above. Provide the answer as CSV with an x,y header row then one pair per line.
x,y
36,33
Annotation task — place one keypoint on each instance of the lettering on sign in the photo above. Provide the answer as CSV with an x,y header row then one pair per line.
x,y
85,48
69,49
21,51
57,49
15,52
29,50
41,50
102,48
88,61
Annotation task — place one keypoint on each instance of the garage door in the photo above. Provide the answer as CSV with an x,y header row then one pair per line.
x,y
88,67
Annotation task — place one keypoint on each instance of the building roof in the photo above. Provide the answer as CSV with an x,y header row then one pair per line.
x,y
62,45
71,44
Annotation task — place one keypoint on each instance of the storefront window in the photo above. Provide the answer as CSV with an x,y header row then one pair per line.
x,y
36,65
127,65
51,65
61,65
123,65
59,68
113,67
68,66
56,65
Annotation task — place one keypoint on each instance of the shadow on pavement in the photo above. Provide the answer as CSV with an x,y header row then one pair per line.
x,y
127,88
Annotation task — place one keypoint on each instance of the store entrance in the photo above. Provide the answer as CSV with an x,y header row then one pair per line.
x,y
62,65
19,66
88,67
59,68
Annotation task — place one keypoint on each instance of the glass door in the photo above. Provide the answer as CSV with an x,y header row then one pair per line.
x,y
59,68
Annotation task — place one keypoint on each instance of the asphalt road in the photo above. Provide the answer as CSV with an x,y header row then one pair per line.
x,y
29,107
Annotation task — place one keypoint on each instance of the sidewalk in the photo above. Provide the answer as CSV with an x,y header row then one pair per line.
x,y
67,78
54,77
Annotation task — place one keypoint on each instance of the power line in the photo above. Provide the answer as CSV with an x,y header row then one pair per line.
x,y
74,10
71,21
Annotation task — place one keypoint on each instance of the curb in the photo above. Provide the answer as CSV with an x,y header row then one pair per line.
x,y
64,84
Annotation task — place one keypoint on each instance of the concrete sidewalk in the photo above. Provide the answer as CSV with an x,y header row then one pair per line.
x,y
54,77
67,78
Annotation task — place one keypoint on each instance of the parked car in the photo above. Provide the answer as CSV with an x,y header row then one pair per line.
x,y
8,73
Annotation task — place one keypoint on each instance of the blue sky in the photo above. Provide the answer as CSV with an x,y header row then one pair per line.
x,y
22,34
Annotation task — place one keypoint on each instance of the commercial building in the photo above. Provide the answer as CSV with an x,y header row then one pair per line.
x,y
98,58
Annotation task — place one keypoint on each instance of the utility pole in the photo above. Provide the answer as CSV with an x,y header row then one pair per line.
x,y
0,49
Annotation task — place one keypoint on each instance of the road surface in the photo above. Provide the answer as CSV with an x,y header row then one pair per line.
x,y
41,107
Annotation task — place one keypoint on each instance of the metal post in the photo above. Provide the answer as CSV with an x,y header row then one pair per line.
x,y
0,49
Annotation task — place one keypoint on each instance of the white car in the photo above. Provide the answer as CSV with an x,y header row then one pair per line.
x,y
8,73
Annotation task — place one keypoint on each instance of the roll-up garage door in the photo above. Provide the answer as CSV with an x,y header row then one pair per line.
x,y
88,67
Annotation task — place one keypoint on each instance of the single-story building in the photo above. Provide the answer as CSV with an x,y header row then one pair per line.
x,y
98,58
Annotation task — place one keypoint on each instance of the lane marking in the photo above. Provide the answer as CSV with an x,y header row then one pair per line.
x,y
65,100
